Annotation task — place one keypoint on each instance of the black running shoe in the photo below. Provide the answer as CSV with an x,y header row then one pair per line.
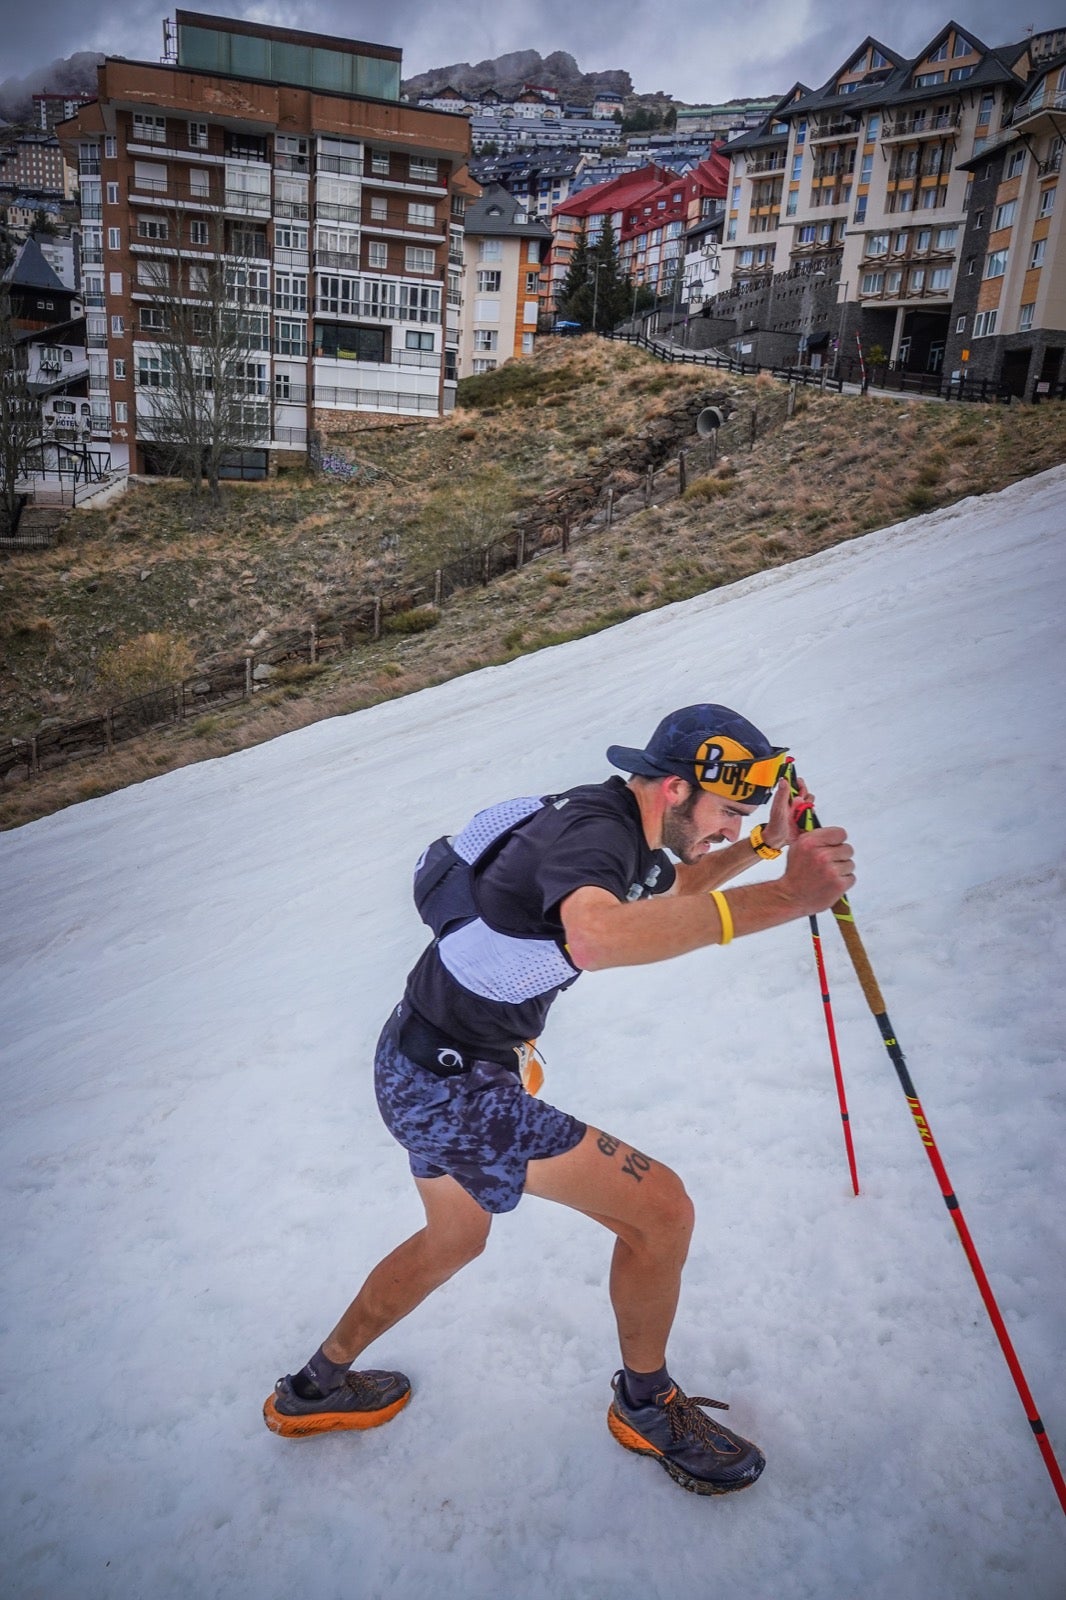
x,y
364,1400
697,1452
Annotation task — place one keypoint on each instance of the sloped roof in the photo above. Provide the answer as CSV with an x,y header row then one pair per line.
x,y
30,270
616,194
496,214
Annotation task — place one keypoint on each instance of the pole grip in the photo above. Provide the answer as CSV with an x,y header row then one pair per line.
x,y
859,959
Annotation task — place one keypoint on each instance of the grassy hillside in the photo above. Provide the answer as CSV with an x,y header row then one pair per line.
x,y
584,412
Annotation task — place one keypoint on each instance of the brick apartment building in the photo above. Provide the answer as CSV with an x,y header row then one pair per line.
x,y
334,208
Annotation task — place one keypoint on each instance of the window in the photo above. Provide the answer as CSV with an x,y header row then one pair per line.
x,y
996,263
917,281
873,282
286,237
420,216
941,52
1037,257
1025,317
945,238
527,344
486,310
940,282
377,254
110,146
114,238
490,250
893,281
153,370
379,163
485,338
533,250
339,295
119,368
199,280
423,169
984,110
877,244
960,325
112,194
483,366
860,209
806,235
736,196
121,411
379,208
291,338
873,125
199,233
148,129
963,47
414,340
153,274
797,167
248,286
1003,217
153,318
489,282
959,74
1047,202
926,80
1015,163
415,259
984,323
118,328
532,282
931,198
290,291
197,135
282,386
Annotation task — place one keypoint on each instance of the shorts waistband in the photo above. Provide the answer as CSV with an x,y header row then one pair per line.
x,y
429,1048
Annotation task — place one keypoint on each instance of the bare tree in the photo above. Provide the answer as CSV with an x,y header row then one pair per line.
x,y
203,386
20,415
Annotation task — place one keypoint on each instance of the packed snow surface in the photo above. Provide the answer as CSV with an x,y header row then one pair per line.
x,y
195,1177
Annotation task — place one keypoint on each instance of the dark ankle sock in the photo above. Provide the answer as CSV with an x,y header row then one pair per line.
x,y
643,1387
319,1377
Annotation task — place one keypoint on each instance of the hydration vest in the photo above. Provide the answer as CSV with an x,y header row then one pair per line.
x,y
445,871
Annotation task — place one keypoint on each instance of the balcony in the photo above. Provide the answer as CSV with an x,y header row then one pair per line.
x,y
337,260
1041,104
92,258
362,310
834,128
774,162
919,124
96,341
89,167
303,165
1051,165
91,213
343,166
395,220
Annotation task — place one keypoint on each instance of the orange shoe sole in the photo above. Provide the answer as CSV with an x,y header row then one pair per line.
x,y
630,1439
328,1421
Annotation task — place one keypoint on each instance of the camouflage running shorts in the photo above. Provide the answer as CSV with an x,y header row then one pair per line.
x,y
480,1128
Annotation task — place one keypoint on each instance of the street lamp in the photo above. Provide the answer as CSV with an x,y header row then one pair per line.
x,y
600,267
840,329
695,288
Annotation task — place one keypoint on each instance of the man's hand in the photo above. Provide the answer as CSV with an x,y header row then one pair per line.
x,y
821,868
783,827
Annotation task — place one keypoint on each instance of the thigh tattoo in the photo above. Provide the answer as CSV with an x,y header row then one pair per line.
x,y
633,1162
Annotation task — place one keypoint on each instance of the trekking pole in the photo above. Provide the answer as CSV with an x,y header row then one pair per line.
x,y
827,1004
875,1000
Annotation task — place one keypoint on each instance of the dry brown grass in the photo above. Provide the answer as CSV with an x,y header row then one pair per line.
x,y
838,468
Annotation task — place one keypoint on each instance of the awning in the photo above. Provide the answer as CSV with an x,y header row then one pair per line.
x,y
818,341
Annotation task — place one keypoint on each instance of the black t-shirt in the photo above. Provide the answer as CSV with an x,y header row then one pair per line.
x,y
589,836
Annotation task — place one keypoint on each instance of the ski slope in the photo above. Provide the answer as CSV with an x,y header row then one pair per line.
x,y
195,1178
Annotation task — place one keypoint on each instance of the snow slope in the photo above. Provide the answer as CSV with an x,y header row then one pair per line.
x,y
195,1179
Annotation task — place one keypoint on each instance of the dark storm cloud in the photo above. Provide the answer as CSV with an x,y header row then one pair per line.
x,y
692,50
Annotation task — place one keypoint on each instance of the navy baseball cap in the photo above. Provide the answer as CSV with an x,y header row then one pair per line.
x,y
711,746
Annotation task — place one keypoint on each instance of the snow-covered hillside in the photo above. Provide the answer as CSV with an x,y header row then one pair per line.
x,y
195,1178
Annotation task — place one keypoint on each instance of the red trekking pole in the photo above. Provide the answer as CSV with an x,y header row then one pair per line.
x,y
875,1000
827,1004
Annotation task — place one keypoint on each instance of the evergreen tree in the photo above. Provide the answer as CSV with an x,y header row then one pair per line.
x,y
611,292
575,293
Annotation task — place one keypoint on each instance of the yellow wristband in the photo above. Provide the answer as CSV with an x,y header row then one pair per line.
x,y
724,912
757,840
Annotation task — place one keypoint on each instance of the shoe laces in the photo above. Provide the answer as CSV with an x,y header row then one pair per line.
x,y
687,1421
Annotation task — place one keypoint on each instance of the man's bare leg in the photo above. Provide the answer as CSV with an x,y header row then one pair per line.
x,y
455,1233
642,1202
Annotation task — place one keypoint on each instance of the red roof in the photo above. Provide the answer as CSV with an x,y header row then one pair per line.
x,y
617,194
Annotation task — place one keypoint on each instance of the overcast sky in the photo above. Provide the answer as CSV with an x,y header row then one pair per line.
x,y
694,50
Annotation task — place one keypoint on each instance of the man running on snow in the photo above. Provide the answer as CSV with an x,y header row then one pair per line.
x,y
581,881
